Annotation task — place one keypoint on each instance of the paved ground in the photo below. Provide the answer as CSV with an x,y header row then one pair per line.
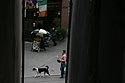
x,y
51,79
49,57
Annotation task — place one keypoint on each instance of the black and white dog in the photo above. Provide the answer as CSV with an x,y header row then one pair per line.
x,y
40,70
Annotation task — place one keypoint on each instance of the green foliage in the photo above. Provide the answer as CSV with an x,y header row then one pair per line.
x,y
39,23
61,34
56,22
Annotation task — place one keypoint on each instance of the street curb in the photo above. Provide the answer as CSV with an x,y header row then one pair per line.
x,y
33,76
27,42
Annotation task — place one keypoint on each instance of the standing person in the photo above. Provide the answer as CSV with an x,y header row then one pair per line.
x,y
42,46
34,27
62,61
53,34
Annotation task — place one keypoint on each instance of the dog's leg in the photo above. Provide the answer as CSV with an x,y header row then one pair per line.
x,y
44,74
48,73
40,74
35,75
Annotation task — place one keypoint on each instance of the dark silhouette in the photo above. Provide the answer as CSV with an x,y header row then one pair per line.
x,y
54,35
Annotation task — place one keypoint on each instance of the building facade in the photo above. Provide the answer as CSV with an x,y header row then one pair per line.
x,y
65,14
57,16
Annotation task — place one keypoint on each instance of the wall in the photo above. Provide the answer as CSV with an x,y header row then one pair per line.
x,y
97,46
64,14
10,34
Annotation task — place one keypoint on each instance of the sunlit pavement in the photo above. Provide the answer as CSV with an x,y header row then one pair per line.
x,y
37,59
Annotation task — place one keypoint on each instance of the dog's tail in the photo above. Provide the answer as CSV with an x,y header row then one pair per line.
x,y
47,67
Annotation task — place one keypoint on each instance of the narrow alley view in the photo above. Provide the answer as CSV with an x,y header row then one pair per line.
x,y
45,40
